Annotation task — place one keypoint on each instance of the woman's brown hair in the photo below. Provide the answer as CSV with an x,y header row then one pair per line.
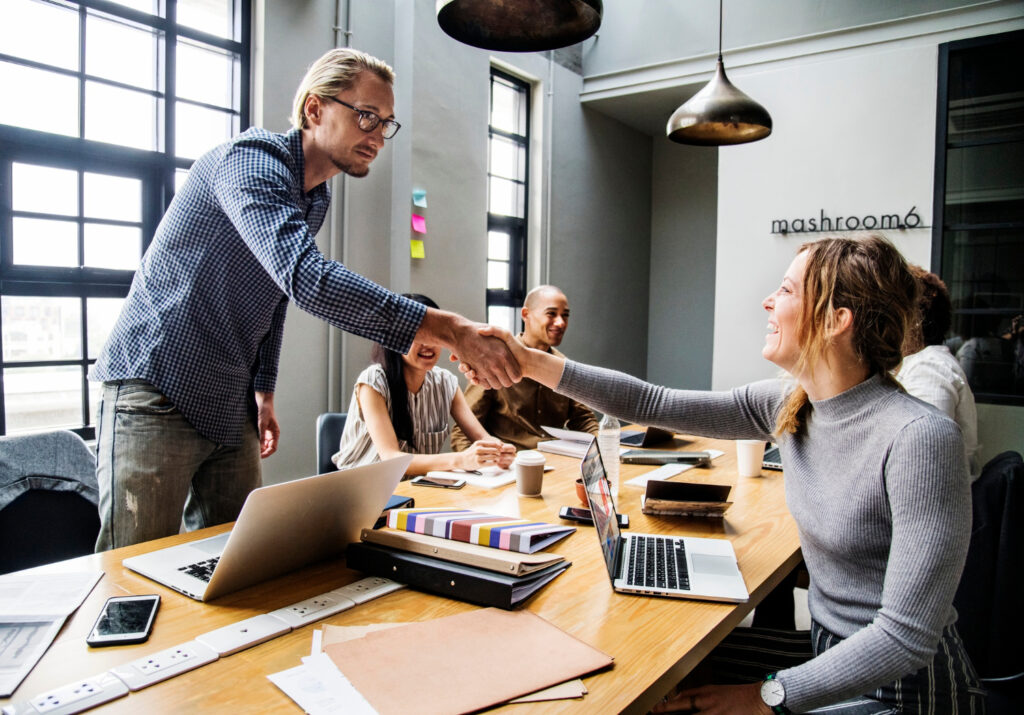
x,y
869,277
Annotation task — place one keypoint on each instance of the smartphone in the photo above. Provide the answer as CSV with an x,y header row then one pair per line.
x,y
124,620
575,513
443,482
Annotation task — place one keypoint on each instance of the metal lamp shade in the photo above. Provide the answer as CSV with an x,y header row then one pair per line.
x,y
519,25
719,114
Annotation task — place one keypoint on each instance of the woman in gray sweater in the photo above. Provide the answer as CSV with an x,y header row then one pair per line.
x,y
875,480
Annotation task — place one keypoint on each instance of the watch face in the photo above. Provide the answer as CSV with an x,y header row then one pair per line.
x,y
772,692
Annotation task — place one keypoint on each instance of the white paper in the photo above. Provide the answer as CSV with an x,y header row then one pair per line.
x,y
318,687
32,610
667,471
568,434
489,477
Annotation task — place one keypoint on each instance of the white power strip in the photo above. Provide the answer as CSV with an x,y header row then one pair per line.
x,y
313,609
244,634
152,669
368,589
73,698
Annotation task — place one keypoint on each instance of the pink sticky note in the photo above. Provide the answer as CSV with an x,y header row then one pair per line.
x,y
419,224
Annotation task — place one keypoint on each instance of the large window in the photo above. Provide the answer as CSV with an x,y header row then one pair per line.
x,y
106,104
978,243
507,169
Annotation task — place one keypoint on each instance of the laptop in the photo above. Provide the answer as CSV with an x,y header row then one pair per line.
x,y
772,458
655,564
281,527
645,438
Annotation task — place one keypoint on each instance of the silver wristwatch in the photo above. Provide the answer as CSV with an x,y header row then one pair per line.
x,y
773,694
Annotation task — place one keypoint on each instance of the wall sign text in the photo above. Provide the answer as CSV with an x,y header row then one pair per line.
x,y
822,223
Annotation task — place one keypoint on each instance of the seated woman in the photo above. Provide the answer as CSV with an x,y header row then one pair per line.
x,y
930,372
401,403
875,480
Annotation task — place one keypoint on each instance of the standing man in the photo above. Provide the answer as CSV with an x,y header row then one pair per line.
x,y
516,414
189,371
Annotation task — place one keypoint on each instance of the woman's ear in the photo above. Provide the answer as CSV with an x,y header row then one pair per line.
x,y
842,322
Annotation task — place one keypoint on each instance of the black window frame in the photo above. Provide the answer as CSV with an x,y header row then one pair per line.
x,y
516,227
155,169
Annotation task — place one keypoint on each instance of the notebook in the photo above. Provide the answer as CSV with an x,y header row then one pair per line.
x,y
281,527
645,438
654,564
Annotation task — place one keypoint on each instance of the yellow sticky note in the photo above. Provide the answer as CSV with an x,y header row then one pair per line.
x,y
416,249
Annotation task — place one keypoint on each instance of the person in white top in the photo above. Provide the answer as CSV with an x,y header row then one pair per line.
x,y
402,403
931,373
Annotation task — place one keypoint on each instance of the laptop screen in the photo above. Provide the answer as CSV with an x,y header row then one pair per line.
x,y
602,508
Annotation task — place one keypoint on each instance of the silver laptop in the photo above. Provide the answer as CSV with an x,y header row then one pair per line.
x,y
654,564
281,527
645,438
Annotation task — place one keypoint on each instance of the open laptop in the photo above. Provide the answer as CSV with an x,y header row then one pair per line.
x,y
645,438
281,527
654,564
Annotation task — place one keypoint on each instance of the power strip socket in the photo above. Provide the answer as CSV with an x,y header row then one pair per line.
x,y
152,669
74,698
313,609
244,634
368,589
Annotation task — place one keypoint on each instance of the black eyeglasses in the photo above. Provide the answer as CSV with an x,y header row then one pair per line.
x,y
368,120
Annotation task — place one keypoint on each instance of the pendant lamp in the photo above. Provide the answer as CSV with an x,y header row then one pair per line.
x,y
719,114
519,25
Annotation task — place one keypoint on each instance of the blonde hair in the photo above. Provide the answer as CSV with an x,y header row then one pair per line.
x,y
334,72
870,278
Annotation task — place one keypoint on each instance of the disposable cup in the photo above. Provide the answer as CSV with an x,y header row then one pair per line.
x,y
529,472
749,454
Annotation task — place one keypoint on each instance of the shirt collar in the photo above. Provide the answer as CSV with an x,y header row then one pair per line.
x,y
293,140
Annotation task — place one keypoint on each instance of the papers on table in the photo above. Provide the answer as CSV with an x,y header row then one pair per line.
x,y
569,443
33,607
667,471
488,477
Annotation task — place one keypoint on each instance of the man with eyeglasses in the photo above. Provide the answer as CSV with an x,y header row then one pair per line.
x,y
190,367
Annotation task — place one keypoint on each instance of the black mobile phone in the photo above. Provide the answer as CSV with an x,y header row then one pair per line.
x,y
124,620
443,482
575,513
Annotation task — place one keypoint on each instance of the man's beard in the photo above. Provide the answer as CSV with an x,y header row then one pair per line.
x,y
350,169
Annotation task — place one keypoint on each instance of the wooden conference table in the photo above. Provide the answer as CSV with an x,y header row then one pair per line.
x,y
655,641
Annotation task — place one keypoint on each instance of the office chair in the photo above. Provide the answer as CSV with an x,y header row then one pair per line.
x,y
991,589
48,499
329,427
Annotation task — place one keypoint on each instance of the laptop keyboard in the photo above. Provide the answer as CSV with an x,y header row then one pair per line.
x,y
202,570
657,562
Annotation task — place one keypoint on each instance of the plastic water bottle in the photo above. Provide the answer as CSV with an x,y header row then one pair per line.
x,y
608,446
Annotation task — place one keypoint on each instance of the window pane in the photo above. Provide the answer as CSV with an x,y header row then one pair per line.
x,y
117,247
506,197
197,130
507,158
43,189
42,397
205,74
113,197
25,90
502,316
102,314
497,245
508,107
120,116
497,275
213,16
149,6
41,31
45,243
985,184
40,328
117,50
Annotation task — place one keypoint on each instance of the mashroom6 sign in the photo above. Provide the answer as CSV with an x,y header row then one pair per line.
x,y
868,222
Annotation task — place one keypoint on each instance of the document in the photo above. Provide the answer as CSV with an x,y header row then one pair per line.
x,y
33,607
319,688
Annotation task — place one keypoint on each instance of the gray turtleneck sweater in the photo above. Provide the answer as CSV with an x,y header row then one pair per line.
x,y
877,485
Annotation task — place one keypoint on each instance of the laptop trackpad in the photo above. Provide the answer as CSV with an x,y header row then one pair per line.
x,y
214,545
708,565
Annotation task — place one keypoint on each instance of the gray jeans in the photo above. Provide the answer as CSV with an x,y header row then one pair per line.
x,y
154,469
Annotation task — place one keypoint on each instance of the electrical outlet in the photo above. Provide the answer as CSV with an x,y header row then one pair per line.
x,y
244,634
368,589
313,609
73,698
151,669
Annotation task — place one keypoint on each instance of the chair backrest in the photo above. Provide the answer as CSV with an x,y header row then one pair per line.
x,y
992,586
329,427
48,499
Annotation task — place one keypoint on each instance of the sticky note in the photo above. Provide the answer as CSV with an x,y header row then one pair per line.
x,y
419,197
416,249
419,224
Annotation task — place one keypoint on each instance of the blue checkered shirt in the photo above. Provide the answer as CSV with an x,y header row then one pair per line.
x,y
204,319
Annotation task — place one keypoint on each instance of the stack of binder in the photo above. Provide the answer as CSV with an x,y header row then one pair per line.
x,y
464,571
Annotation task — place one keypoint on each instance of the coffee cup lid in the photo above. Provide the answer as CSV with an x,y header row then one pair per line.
x,y
530,456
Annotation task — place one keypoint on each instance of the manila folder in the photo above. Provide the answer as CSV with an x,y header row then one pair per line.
x,y
463,663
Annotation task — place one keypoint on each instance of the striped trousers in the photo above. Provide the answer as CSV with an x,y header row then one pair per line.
x,y
946,685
